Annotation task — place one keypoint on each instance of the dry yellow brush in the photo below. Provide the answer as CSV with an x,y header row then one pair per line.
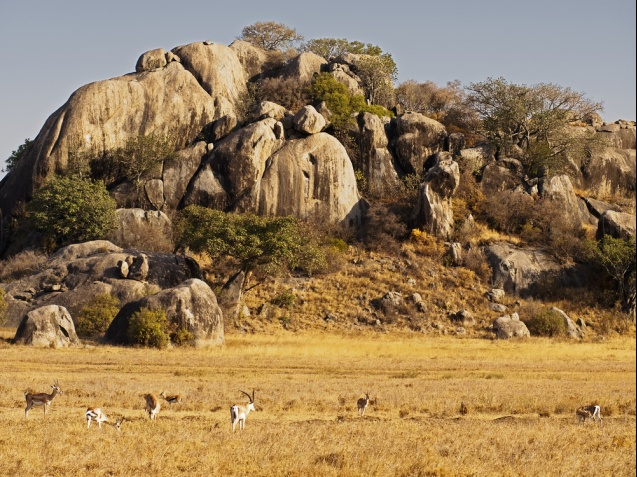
x,y
520,398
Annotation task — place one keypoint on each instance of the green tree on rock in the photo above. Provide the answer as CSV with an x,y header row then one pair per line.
x,y
70,209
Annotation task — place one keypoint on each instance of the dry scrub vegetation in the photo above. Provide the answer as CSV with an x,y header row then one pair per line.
x,y
521,397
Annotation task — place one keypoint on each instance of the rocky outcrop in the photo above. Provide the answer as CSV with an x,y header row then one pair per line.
x,y
191,306
253,59
151,60
559,190
179,170
418,138
572,330
304,66
47,327
433,211
74,275
504,174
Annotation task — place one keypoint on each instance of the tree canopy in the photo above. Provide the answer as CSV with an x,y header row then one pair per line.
x,y
16,155
531,118
271,35
263,245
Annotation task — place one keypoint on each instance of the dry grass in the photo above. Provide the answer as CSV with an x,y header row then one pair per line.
x,y
521,397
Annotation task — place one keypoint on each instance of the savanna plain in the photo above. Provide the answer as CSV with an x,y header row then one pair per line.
x,y
521,398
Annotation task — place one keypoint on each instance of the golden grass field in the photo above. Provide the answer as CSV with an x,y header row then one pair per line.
x,y
521,396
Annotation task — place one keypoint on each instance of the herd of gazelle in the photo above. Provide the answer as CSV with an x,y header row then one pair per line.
x,y
238,413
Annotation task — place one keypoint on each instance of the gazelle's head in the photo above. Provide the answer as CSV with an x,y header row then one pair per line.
x,y
251,402
56,387
118,424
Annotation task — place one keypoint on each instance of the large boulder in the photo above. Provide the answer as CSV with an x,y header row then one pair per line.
x,y
76,274
179,171
190,306
311,177
303,67
504,174
151,60
377,163
106,114
253,59
524,271
616,224
433,211
218,70
47,326
418,138
308,120
559,190
510,326
572,330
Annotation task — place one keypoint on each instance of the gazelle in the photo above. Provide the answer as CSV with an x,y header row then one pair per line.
x,y
118,424
152,406
238,414
41,399
362,404
463,409
176,398
95,414
593,411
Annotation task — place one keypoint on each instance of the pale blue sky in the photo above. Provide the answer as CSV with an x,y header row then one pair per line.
x,y
51,48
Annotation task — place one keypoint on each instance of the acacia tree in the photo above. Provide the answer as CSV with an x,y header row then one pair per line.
x,y
271,36
531,118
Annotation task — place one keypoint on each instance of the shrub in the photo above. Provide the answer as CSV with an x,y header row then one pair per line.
x,y
149,328
284,300
181,337
546,322
3,307
22,264
97,315
18,154
288,92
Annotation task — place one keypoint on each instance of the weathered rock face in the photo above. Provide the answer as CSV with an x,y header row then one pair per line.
x,y
572,330
309,177
419,137
304,66
252,58
343,74
190,306
433,211
616,224
231,297
102,116
559,190
179,170
521,271
218,70
76,274
377,163
500,175
47,326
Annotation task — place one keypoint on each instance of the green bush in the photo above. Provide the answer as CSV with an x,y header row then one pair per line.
x,y
97,315
181,337
284,300
546,323
149,328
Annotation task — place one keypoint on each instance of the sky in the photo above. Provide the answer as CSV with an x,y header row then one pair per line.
x,y
51,48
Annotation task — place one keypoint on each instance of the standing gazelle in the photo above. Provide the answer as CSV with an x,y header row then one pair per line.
x,y
173,399
152,406
362,404
593,411
238,414
41,399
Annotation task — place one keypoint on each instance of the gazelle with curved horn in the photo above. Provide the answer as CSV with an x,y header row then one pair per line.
x,y
238,414
41,399
362,404
152,406
172,399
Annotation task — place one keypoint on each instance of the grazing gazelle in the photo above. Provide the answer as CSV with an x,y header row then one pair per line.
x,y
593,411
95,414
176,398
362,404
41,399
118,423
463,409
152,406
238,414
